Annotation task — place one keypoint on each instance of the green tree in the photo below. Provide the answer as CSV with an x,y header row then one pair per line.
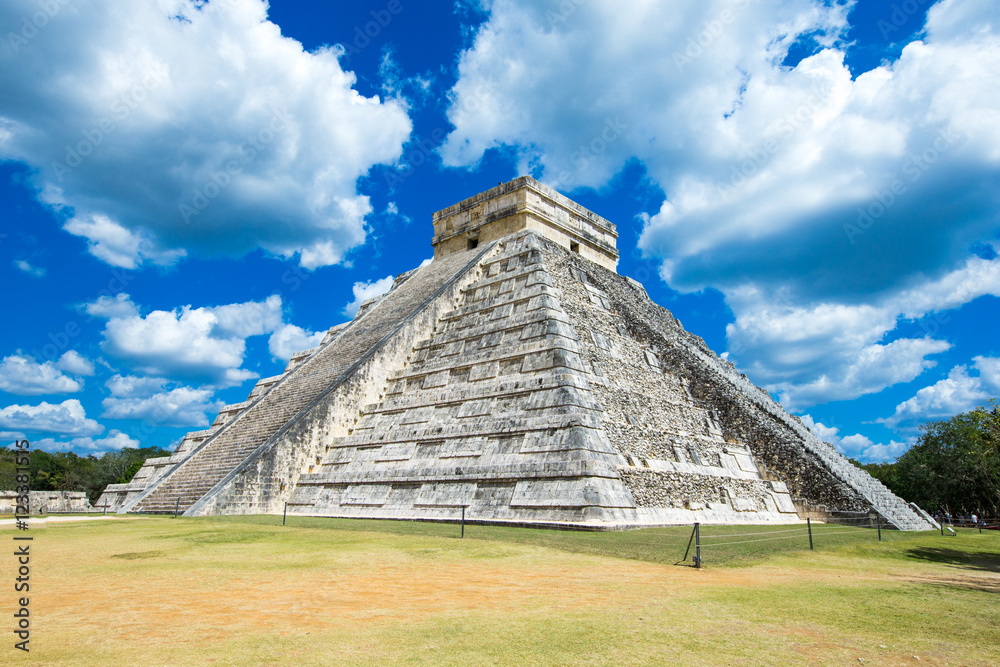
x,y
45,470
955,465
130,472
66,471
886,473
8,470
118,467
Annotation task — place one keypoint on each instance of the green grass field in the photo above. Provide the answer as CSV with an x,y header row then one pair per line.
x,y
248,591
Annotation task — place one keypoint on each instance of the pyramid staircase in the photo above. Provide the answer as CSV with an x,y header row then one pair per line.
x,y
517,376
891,507
497,412
311,373
732,386
494,413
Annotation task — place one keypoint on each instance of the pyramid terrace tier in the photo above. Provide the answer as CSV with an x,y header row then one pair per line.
x,y
290,398
526,383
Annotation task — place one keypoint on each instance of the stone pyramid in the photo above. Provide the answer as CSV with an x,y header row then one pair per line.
x,y
519,377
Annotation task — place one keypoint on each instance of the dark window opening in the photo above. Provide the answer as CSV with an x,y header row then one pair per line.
x,y
575,247
473,244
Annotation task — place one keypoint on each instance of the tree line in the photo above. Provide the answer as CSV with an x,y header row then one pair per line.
x,y
66,471
953,468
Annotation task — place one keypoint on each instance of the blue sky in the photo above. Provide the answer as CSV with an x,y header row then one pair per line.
x,y
190,192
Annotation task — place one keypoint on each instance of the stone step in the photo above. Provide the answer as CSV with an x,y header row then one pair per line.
x,y
239,438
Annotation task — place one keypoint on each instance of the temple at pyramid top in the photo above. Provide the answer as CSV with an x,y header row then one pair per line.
x,y
517,378
520,204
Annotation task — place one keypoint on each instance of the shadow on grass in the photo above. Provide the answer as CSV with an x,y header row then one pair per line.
x,y
980,584
983,561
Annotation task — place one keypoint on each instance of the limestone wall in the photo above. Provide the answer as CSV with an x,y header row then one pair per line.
x,y
491,412
115,496
525,204
747,415
497,412
266,479
678,457
48,502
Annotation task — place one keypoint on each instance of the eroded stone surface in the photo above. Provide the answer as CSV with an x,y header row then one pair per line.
x,y
522,381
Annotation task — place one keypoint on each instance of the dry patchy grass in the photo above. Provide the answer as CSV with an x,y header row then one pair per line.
x,y
247,591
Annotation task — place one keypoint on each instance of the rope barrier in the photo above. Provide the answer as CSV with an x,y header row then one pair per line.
x,y
768,532
832,529
766,539
833,526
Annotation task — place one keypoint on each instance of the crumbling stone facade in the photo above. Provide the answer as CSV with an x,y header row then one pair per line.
x,y
517,377
48,502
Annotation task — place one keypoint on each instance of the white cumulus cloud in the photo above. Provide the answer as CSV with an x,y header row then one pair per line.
x,y
117,306
158,401
75,363
290,339
957,393
66,418
203,346
24,376
826,207
206,344
26,266
367,290
857,446
826,351
116,245
181,406
242,138
134,386
113,441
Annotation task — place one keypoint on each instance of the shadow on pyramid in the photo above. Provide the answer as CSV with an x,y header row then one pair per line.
x,y
518,377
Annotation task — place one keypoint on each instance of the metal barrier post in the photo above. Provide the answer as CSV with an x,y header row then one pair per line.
x,y
463,520
878,522
809,527
177,507
284,514
697,545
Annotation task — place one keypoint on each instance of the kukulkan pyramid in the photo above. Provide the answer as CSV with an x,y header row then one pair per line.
x,y
519,376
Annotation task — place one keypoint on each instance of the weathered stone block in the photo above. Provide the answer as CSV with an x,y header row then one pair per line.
x,y
469,383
